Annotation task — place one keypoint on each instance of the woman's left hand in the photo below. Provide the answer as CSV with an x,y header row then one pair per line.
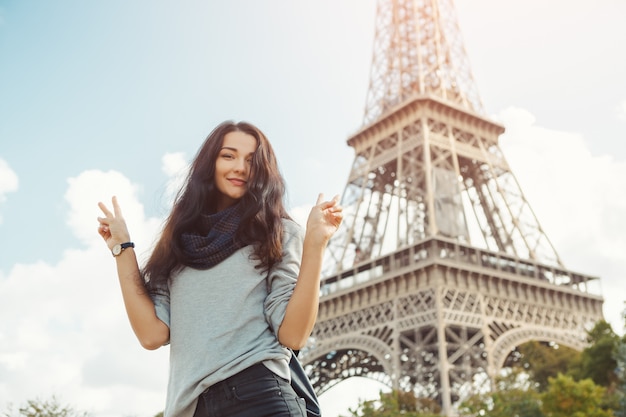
x,y
324,219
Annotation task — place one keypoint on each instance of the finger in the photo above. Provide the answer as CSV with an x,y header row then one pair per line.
x,y
320,198
335,212
104,209
103,231
116,207
335,202
332,203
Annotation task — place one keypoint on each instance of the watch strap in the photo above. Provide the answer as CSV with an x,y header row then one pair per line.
x,y
119,248
127,245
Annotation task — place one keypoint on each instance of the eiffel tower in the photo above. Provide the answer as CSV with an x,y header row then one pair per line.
x,y
440,268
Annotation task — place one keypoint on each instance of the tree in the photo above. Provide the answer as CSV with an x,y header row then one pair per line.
x,y
620,371
597,361
509,403
544,360
514,396
41,408
566,397
396,403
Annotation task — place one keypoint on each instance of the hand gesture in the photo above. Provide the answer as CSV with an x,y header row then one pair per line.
x,y
324,219
112,226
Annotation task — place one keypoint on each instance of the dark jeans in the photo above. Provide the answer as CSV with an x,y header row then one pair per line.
x,y
253,392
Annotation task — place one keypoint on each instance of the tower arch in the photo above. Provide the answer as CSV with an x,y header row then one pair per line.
x,y
505,344
358,356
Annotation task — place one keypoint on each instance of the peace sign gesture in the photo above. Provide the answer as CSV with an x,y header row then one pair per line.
x,y
112,226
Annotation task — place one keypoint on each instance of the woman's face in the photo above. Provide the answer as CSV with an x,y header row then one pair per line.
x,y
232,168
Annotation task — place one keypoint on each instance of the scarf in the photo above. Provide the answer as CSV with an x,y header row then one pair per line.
x,y
204,251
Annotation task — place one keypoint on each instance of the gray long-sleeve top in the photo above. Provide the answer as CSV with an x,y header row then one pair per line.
x,y
222,320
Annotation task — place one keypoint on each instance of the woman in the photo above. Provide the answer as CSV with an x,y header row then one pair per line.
x,y
232,283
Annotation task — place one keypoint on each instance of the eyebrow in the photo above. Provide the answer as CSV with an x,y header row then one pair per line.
x,y
233,149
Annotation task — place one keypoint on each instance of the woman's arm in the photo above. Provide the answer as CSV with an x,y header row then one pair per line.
x,y
151,332
301,311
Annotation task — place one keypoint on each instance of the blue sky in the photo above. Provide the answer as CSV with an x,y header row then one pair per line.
x,y
98,98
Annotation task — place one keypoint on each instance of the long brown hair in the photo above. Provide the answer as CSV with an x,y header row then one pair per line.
x,y
261,223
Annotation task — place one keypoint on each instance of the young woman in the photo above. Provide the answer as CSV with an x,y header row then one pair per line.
x,y
232,283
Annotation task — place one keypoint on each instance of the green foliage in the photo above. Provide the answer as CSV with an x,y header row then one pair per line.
x,y
44,408
620,359
514,396
396,403
544,360
597,361
621,372
510,403
566,397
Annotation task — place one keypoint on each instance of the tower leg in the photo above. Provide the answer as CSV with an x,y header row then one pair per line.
x,y
444,366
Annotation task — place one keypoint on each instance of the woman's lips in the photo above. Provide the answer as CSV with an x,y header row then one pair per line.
x,y
237,182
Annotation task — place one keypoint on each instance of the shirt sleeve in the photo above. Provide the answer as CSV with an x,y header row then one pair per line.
x,y
161,300
283,276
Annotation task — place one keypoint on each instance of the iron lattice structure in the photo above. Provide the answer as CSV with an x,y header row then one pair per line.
x,y
418,50
440,268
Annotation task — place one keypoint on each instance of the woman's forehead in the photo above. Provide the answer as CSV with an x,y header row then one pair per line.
x,y
240,141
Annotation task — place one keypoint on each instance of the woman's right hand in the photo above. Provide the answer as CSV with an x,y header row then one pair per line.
x,y
324,219
112,226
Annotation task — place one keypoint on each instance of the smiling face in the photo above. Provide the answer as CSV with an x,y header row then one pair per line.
x,y
232,167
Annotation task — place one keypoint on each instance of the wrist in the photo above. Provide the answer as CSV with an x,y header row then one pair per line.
x,y
118,248
313,241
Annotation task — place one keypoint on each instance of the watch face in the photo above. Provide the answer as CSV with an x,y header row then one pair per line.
x,y
117,249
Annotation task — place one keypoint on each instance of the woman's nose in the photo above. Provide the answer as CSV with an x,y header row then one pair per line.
x,y
240,165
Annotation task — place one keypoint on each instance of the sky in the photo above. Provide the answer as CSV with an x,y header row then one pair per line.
x,y
114,98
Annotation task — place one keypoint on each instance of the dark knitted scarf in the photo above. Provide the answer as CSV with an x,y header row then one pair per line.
x,y
218,240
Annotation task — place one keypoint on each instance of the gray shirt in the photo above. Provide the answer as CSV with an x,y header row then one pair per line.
x,y
223,320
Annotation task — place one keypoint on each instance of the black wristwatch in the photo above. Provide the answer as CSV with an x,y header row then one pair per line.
x,y
117,249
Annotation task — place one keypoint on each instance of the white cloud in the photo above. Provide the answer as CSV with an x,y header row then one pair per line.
x,y
67,333
8,178
621,110
579,199
173,164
